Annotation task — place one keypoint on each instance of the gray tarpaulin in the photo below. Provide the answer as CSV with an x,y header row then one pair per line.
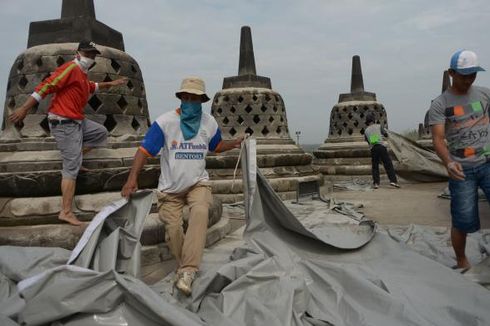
x,y
414,162
285,274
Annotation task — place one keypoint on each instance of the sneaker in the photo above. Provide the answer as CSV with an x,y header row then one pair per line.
x,y
375,186
394,184
184,283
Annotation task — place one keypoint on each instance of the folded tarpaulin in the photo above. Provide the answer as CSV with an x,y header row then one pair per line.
x,y
415,163
283,276
94,285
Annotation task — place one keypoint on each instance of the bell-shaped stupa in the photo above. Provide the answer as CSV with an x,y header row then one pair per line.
x,y
345,154
248,105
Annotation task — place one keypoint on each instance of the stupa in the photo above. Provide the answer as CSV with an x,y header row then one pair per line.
x,y
247,104
345,154
30,164
425,135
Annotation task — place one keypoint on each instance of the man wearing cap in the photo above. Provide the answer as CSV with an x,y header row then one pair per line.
x,y
73,133
184,136
460,117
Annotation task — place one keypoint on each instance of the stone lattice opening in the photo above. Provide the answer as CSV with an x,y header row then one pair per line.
x,y
122,103
140,104
20,65
267,97
23,82
130,85
274,108
265,131
60,61
233,109
225,121
254,98
133,69
248,109
107,78
220,110
249,131
95,103
278,130
271,119
12,103
135,124
226,98
263,108
116,66
350,131
110,123
362,131
256,118
45,125
240,120
240,99
232,131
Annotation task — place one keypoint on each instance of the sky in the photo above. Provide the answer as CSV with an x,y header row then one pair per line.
x,y
305,47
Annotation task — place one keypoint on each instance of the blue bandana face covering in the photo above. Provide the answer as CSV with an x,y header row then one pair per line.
x,y
190,118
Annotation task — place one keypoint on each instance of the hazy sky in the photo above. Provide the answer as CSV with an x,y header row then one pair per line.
x,y
305,47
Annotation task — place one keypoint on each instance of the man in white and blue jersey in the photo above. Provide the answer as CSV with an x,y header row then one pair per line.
x,y
183,136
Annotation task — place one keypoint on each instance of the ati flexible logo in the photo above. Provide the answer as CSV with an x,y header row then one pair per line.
x,y
195,150
188,145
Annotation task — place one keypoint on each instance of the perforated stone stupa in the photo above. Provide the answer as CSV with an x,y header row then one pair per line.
x,y
345,154
425,135
30,164
247,104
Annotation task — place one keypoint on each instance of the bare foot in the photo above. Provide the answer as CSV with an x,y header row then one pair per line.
x,y
70,218
463,263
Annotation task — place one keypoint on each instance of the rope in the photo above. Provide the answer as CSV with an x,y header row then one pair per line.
x,y
238,161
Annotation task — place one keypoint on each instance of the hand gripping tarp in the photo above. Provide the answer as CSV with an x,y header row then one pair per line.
x,y
414,162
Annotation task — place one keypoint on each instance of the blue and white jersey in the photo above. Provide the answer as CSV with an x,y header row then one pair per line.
x,y
182,162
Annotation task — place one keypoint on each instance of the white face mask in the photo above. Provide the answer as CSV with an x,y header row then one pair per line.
x,y
86,63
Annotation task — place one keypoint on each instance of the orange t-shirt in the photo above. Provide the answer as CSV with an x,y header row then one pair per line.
x,y
71,89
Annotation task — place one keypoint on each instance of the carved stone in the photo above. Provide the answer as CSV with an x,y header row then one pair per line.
x,y
30,163
248,105
345,154
425,135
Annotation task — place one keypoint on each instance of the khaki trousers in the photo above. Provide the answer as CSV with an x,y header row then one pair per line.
x,y
187,248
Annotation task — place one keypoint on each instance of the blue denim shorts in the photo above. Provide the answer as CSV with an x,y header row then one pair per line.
x,y
464,197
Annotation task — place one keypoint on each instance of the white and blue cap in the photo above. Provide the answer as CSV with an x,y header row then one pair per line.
x,y
465,62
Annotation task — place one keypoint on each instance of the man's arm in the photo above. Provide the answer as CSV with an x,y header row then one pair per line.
x,y
454,169
383,131
116,82
226,145
131,184
20,113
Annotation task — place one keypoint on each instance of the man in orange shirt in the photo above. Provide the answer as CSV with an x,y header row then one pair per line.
x,y
73,133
